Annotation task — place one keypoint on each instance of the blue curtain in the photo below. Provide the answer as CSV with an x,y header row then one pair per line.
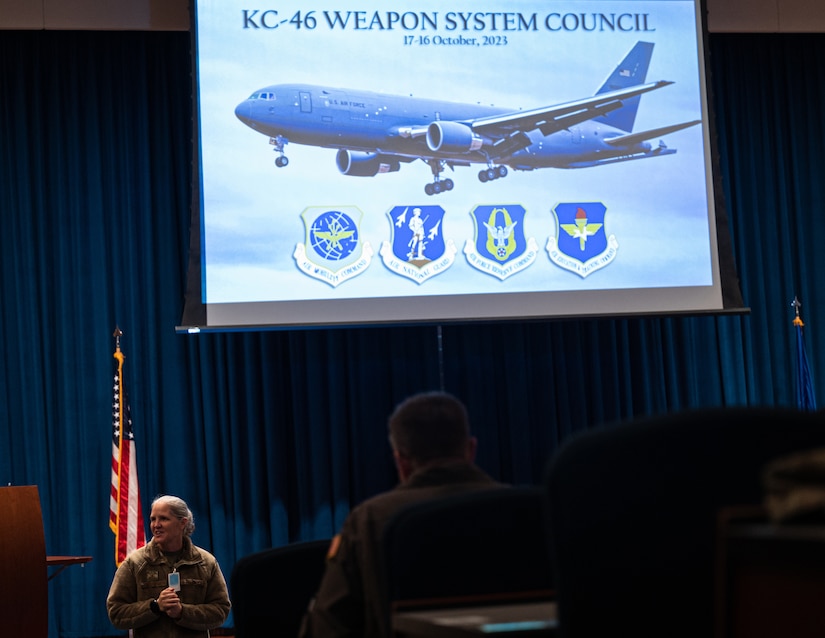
x,y
271,437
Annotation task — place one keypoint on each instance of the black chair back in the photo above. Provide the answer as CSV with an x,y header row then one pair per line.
x,y
487,543
634,508
271,589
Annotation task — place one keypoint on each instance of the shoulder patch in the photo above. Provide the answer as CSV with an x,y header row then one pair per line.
x,y
333,546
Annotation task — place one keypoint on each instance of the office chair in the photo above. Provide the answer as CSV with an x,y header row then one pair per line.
x,y
634,509
272,588
487,544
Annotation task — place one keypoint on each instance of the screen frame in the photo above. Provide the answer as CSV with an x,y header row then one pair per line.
x,y
722,297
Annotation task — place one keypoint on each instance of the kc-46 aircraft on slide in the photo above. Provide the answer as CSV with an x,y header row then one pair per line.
x,y
374,133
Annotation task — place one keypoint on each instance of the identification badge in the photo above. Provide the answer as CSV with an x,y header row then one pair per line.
x,y
174,581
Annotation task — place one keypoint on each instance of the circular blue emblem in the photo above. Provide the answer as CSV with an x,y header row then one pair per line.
x,y
334,235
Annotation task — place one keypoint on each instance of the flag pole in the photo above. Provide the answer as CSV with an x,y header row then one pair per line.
x,y
117,527
797,320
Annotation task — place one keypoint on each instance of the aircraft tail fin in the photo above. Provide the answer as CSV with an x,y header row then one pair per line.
x,y
630,72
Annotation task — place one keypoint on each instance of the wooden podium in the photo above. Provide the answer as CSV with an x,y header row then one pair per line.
x,y
24,593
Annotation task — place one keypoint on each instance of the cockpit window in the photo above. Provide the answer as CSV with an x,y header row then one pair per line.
x,y
262,95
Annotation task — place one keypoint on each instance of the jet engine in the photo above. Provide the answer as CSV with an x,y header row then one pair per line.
x,y
363,164
452,137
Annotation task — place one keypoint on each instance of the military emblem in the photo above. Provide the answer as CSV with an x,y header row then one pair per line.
x,y
333,251
500,247
581,244
418,250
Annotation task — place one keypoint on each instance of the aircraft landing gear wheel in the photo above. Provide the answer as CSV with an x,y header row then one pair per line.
x,y
491,174
502,171
429,189
447,184
482,176
282,161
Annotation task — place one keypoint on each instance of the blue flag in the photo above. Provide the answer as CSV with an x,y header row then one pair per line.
x,y
805,397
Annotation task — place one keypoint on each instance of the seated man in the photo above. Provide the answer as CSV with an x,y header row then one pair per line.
x,y
434,454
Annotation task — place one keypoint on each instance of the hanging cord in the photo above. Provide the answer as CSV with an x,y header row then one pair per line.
x,y
440,359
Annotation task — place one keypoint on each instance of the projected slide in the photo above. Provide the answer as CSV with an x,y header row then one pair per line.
x,y
370,163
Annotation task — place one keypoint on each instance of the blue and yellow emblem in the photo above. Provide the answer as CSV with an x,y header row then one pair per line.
x,y
333,251
500,247
418,249
581,244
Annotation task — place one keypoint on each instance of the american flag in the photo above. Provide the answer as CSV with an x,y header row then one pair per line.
x,y
125,516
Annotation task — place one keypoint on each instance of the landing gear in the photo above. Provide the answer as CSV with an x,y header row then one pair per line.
x,y
279,143
491,173
438,186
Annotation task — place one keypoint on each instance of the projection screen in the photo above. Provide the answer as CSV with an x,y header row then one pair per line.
x,y
368,162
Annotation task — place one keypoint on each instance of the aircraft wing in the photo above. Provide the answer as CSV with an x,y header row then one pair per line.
x,y
634,138
510,129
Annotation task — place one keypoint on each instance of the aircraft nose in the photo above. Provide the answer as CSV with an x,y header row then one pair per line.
x,y
242,112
